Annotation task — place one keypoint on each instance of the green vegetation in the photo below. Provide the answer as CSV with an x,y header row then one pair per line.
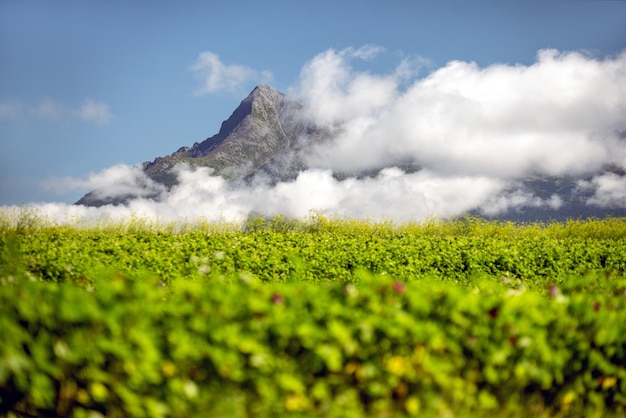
x,y
316,317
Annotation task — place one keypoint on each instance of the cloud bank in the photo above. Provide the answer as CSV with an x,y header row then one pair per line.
x,y
477,133
558,116
215,76
199,195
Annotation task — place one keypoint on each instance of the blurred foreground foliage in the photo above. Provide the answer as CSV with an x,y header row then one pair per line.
x,y
318,318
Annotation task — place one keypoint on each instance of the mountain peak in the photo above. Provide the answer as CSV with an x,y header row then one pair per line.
x,y
265,135
265,124
264,91
264,87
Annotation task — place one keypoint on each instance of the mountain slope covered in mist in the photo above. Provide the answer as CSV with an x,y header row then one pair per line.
x,y
267,124
272,138
263,135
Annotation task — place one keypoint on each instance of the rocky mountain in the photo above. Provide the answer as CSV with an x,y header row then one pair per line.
x,y
267,124
265,135
269,135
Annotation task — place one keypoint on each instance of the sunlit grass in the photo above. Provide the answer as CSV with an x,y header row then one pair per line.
x,y
20,218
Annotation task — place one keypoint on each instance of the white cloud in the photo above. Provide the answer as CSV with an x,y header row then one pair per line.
x,y
365,52
95,112
117,181
391,195
214,75
51,110
609,190
557,116
10,110
516,198
337,94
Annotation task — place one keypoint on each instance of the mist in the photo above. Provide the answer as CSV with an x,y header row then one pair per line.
x,y
475,132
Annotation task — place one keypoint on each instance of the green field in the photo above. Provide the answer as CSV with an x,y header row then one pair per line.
x,y
315,317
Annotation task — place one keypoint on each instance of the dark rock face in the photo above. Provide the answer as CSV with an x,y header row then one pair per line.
x,y
264,130
263,136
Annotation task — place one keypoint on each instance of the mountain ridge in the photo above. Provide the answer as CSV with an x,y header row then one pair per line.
x,y
262,134
269,136
259,128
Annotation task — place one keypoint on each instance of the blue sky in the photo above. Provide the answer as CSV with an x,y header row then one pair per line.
x,y
85,85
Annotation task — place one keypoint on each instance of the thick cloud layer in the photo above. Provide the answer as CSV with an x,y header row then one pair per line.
x,y
392,195
559,116
475,132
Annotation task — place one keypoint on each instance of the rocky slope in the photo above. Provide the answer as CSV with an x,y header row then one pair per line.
x,y
265,135
266,124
